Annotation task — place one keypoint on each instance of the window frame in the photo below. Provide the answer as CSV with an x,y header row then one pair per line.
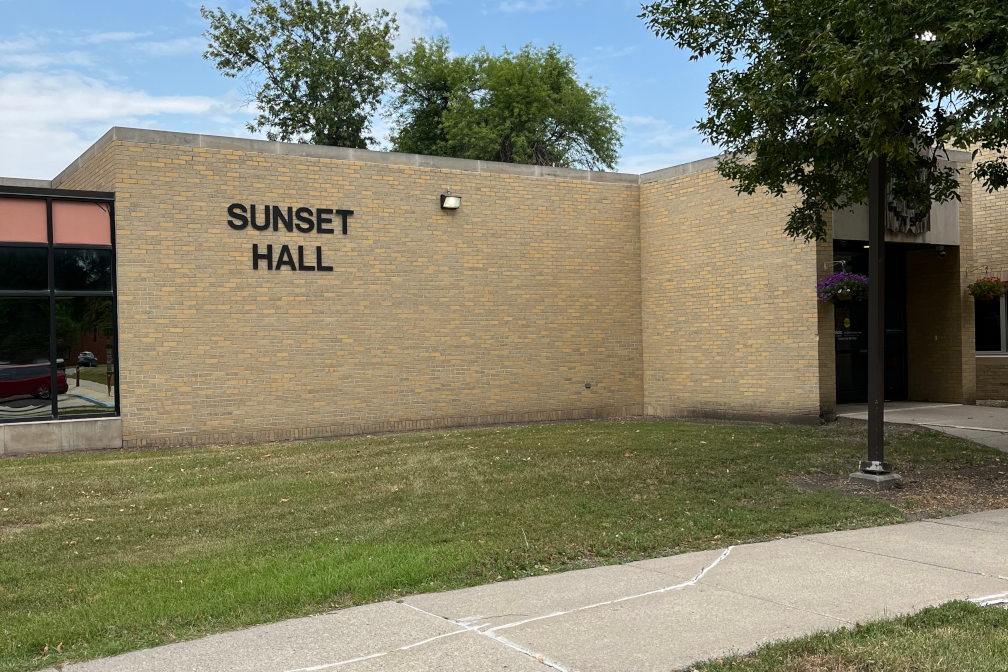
x,y
49,196
1003,313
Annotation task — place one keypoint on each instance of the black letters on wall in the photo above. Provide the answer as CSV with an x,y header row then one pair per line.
x,y
303,219
237,210
259,227
321,218
286,259
256,257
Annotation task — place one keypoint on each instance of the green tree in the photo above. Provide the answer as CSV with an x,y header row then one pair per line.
x,y
808,91
524,107
315,69
425,79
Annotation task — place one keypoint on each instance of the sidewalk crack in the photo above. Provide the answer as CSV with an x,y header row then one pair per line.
x,y
492,634
896,557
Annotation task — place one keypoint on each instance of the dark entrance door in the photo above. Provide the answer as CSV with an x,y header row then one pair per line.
x,y
852,327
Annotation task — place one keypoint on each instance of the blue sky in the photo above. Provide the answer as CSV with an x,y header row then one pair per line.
x,y
71,70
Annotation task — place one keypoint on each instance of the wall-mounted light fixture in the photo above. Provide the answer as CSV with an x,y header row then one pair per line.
x,y
449,202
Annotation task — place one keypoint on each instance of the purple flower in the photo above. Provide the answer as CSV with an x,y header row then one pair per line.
x,y
842,286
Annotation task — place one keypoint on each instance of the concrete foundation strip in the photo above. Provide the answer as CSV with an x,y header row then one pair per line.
x,y
491,633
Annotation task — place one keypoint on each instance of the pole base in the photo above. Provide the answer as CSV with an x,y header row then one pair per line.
x,y
876,481
874,467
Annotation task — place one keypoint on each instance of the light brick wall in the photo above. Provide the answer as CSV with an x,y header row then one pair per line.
x,y
940,332
934,345
967,259
990,228
501,311
992,378
731,325
990,256
675,297
827,327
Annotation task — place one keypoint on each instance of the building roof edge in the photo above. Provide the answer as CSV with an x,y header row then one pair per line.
x,y
269,147
24,182
254,146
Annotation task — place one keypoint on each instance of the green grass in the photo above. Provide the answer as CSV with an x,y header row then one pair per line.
x,y
107,552
955,637
95,374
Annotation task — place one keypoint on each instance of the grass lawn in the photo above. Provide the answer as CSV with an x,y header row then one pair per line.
x,y
955,637
95,374
107,552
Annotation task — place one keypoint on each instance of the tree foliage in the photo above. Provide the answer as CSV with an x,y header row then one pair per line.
x,y
316,69
808,91
523,107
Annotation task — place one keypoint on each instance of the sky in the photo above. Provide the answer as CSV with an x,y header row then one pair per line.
x,y
70,70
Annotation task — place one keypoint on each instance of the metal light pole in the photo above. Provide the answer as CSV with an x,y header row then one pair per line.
x,y
875,472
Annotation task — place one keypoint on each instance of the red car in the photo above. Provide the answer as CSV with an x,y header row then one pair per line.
x,y
22,380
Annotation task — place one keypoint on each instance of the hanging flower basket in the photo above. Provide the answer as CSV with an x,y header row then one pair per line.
x,y
842,287
988,288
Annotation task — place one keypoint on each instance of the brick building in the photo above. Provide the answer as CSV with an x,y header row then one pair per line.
x,y
259,291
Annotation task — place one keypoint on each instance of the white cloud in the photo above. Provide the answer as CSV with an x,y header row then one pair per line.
x,y
526,6
668,145
47,120
416,18
25,53
605,53
652,131
100,38
54,104
645,163
182,45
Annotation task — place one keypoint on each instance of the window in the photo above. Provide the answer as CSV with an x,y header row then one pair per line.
x,y
58,332
24,267
989,316
25,375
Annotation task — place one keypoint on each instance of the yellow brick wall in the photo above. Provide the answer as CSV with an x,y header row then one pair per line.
x,y
990,250
934,347
990,228
731,325
992,378
501,311
675,298
826,326
940,331
967,259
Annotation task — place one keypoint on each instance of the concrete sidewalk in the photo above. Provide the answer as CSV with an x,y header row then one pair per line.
x,y
661,614
985,425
